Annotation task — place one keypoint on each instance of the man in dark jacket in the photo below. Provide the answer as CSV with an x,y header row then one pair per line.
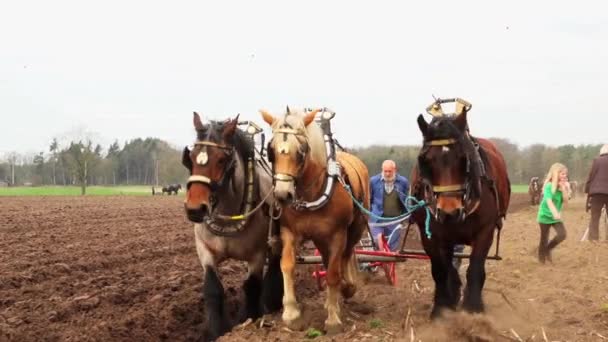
x,y
597,190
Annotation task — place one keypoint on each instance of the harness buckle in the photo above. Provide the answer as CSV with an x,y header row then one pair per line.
x,y
333,168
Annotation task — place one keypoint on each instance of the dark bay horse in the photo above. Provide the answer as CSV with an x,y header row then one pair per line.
x,y
464,180
535,190
300,164
228,196
172,188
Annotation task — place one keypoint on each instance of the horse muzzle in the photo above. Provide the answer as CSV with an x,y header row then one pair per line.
x,y
456,216
284,188
284,196
196,215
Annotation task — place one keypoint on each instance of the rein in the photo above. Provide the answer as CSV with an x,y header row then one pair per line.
x,y
411,205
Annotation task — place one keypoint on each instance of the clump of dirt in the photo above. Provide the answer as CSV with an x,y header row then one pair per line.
x,y
460,326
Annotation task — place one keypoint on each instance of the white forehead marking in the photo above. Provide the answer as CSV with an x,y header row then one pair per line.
x,y
283,147
445,149
202,158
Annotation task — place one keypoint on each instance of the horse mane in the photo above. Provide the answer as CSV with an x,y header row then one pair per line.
x,y
444,127
242,143
313,133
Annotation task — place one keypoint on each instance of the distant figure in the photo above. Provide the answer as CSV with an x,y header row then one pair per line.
x,y
388,194
153,191
534,190
596,188
173,188
574,188
556,190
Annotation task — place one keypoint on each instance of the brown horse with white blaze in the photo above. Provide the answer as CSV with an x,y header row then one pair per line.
x,y
465,183
228,199
299,158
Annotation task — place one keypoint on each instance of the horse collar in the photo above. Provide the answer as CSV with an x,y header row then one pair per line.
x,y
238,221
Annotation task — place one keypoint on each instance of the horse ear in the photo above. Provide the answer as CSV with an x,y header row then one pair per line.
x,y
310,117
186,161
230,127
267,117
198,124
461,121
423,125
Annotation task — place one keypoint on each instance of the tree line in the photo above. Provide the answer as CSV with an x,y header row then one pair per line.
x,y
152,161
522,163
149,161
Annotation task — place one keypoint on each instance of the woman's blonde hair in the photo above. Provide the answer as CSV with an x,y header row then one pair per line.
x,y
553,175
604,150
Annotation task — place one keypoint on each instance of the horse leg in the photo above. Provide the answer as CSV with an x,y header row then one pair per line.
x,y
291,311
349,266
334,278
440,266
272,292
454,283
476,272
213,291
253,288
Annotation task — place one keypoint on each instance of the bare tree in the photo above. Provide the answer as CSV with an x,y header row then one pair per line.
x,y
12,160
54,148
82,156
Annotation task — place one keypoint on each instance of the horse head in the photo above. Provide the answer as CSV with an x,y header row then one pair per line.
x,y
535,184
296,141
210,162
449,167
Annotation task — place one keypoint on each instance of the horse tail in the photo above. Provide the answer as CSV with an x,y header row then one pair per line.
x,y
356,176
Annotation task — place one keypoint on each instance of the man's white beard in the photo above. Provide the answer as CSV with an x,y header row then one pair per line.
x,y
389,180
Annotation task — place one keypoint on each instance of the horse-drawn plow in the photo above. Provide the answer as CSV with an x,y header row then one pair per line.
x,y
380,257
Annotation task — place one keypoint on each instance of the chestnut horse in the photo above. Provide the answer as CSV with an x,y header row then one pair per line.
x,y
299,159
226,177
465,183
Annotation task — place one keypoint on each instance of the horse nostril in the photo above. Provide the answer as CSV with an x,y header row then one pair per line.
x,y
289,197
198,214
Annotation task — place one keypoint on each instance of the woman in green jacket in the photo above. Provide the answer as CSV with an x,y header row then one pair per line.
x,y
556,191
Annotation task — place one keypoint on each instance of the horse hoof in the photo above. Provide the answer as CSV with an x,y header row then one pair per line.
x,y
472,307
297,324
436,313
244,316
333,329
348,290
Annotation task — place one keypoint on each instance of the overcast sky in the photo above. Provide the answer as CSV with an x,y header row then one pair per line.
x,y
535,71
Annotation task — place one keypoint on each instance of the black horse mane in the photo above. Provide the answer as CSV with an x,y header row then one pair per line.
x,y
445,127
243,145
